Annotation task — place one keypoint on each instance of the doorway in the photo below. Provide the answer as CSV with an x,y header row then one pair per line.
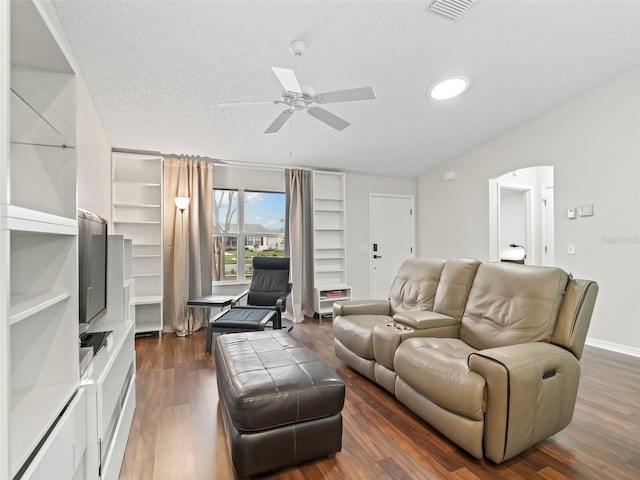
x,y
391,239
514,236
521,220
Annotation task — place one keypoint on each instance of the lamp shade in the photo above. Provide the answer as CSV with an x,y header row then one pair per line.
x,y
182,202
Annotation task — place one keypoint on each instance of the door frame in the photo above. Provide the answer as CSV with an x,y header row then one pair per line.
x,y
547,217
372,195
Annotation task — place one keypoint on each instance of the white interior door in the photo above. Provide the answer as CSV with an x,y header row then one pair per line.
x,y
391,239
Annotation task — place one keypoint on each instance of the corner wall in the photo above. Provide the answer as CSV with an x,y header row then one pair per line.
x,y
593,143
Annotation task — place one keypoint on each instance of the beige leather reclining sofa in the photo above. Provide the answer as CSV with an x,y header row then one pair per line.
x,y
487,353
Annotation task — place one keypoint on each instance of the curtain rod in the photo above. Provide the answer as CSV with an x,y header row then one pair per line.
x,y
257,166
235,164
191,157
216,161
167,155
135,151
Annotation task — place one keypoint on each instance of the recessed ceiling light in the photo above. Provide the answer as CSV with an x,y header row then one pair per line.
x,y
449,88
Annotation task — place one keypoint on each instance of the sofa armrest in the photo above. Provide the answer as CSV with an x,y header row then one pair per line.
x,y
361,307
531,394
425,319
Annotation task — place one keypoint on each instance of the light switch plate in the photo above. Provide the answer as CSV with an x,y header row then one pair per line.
x,y
571,248
571,213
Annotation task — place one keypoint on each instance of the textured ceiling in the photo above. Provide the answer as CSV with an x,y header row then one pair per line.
x,y
158,69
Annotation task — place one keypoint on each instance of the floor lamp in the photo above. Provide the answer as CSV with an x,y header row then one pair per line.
x,y
182,203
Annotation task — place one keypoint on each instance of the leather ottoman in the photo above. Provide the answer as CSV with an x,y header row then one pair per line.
x,y
280,403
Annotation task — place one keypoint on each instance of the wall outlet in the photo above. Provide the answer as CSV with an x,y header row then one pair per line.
x,y
571,248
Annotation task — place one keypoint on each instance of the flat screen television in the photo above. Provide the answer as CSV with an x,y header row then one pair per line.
x,y
92,268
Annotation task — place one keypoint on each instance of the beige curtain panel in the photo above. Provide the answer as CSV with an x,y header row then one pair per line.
x,y
299,244
188,248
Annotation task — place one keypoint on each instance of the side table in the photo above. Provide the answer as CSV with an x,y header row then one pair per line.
x,y
210,301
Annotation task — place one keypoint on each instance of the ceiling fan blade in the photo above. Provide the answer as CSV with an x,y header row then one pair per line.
x,y
350,95
328,118
288,79
279,121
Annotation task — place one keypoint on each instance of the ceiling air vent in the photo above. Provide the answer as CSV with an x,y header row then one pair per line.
x,y
451,8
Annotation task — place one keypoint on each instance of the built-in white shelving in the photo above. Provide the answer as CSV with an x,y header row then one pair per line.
x,y
329,239
109,381
42,409
26,305
323,298
137,214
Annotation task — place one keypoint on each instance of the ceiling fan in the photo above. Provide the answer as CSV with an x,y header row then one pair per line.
x,y
298,98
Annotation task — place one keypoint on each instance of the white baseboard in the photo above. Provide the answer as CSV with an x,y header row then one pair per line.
x,y
614,347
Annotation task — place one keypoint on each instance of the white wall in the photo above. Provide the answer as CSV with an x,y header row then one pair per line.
x,y
593,143
358,188
235,176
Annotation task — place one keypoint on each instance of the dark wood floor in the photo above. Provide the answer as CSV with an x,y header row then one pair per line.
x,y
177,431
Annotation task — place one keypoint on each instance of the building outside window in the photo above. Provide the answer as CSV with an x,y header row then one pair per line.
x,y
245,224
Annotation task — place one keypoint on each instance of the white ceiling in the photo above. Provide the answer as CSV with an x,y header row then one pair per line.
x,y
156,71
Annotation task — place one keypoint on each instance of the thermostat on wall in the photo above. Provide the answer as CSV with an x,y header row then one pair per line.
x,y
571,213
586,210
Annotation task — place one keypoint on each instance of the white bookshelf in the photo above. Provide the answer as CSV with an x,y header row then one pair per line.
x,y
42,410
323,298
109,381
137,214
329,213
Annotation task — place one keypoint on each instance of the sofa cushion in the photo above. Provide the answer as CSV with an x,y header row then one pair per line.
x,y
437,369
510,304
453,289
414,287
355,332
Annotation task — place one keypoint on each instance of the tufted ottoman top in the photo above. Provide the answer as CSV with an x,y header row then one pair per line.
x,y
268,379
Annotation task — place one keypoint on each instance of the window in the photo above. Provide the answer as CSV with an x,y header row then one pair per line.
x,y
245,224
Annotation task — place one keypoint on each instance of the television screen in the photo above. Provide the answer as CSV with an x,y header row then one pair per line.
x,y
92,267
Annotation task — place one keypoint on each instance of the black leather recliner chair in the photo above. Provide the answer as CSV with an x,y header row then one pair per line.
x,y
269,287
266,300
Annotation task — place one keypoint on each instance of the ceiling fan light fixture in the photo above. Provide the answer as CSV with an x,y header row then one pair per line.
x,y
298,104
449,88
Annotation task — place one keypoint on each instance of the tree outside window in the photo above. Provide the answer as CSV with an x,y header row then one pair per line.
x,y
245,224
